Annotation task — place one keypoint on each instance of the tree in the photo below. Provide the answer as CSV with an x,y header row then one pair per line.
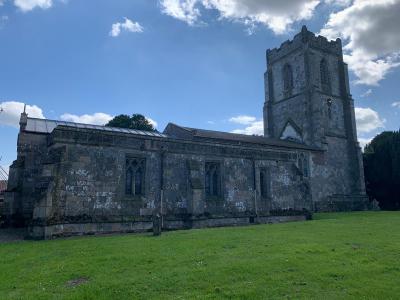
x,y
382,169
137,121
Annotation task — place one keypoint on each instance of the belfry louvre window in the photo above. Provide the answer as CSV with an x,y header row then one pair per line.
x,y
287,78
213,179
324,73
135,170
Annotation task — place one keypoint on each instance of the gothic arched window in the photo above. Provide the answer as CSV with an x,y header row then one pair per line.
x,y
287,79
134,178
324,73
303,165
212,183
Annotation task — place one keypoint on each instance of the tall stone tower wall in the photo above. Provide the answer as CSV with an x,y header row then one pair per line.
x,y
308,100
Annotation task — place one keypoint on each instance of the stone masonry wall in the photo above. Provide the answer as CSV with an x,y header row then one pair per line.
x,y
85,184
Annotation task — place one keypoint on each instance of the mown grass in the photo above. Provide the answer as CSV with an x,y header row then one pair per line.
x,y
335,256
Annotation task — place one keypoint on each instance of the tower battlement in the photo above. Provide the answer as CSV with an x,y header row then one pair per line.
x,y
302,38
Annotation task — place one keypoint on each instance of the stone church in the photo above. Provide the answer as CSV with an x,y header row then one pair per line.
x,y
72,178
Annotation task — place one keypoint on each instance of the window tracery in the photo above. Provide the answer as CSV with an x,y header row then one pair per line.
x,y
302,163
134,179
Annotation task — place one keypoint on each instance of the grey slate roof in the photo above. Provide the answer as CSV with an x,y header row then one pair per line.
x,y
202,134
47,126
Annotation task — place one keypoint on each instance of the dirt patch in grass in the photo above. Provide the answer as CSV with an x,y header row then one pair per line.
x,y
76,282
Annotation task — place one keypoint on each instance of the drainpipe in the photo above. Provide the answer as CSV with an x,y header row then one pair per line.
x,y
255,188
162,186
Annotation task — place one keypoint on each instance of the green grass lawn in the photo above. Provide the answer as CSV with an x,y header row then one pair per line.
x,y
335,256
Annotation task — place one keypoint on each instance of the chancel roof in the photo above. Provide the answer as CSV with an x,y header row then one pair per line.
x,y
177,131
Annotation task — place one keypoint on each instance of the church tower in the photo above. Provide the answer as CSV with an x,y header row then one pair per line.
x,y
308,100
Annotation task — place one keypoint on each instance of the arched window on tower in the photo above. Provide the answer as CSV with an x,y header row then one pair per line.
x,y
324,74
287,80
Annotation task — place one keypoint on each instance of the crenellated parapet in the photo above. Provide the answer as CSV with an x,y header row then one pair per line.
x,y
305,37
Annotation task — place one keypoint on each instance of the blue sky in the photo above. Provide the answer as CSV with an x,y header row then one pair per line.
x,y
198,63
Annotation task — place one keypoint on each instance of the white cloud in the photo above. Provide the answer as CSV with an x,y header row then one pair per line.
x,y
370,31
253,126
127,25
368,120
339,2
243,119
256,128
396,104
276,15
27,5
95,119
152,122
185,10
367,93
12,112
